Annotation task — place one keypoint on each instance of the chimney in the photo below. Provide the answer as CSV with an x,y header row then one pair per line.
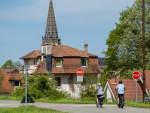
x,y
86,48
49,57
8,69
43,49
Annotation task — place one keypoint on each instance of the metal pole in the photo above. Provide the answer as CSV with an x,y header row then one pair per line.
x,y
136,90
26,88
143,47
79,91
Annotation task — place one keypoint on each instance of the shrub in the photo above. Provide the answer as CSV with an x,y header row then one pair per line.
x,y
40,86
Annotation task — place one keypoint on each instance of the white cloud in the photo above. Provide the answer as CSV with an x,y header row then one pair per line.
x,y
39,9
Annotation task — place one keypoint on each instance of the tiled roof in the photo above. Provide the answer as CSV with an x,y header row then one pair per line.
x,y
66,51
6,86
130,84
32,54
4,71
70,65
61,51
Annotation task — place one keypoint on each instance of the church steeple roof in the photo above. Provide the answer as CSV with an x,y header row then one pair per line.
x,y
51,33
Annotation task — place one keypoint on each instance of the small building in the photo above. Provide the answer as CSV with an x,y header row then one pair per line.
x,y
130,84
10,82
12,71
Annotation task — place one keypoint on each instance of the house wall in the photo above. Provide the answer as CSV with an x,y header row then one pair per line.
x,y
65,86
29,64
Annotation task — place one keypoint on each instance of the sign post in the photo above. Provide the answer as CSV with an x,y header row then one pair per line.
x,y
26,87
136,76
79,72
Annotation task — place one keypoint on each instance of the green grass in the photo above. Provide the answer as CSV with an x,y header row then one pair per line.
x,y
63,100
29,109
139,104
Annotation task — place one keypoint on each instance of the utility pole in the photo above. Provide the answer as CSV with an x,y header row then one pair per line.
x,y
143,47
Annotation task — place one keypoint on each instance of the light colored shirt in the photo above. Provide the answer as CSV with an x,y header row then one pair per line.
x,y
99,91
120,88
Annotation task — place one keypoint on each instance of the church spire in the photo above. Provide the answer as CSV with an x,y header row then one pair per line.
x,y
51,34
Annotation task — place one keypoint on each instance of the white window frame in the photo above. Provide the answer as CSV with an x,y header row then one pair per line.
x,y
86,63
19,83
56,62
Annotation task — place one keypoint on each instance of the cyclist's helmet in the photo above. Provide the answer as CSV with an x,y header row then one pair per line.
x,y
98,84
120,81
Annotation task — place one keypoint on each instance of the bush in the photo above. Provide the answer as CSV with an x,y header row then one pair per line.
x,y
40,86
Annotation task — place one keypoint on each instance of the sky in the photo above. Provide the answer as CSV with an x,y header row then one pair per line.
x,y
79,22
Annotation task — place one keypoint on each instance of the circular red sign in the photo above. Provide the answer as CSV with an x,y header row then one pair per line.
x,y
79,72
136,75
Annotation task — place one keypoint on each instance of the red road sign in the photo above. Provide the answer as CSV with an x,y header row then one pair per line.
x,y
79,72
136,75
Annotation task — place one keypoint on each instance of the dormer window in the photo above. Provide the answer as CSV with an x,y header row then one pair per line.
x,y
58,62
84,62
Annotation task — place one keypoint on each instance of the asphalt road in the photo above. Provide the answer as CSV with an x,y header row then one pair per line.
x,y
78,108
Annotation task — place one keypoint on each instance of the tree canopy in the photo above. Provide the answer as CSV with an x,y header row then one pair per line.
x,y
11,64
125,42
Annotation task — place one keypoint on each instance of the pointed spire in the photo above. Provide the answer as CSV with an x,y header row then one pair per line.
x,y
51,34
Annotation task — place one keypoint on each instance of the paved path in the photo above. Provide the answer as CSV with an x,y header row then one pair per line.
x,y
78,108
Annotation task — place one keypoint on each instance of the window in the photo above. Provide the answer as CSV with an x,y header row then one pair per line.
x,y
26,62
84,62
35,62
59,62
16,84
58,79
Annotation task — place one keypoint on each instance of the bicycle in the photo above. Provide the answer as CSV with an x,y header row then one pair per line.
x,y
121,102
100,101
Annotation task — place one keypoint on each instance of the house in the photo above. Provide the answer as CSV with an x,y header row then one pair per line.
x,y
12,71
130,84
61,60
10,82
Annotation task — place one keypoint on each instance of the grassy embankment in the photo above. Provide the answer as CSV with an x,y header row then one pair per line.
x,y
29,109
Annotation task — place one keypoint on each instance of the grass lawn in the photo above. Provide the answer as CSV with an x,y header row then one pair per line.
x,y
63,100
139,104
29,109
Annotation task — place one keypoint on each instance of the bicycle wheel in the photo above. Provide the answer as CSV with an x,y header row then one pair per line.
x,y
101,103
122,103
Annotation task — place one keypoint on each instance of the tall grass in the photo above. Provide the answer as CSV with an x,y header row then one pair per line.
x,y
29,109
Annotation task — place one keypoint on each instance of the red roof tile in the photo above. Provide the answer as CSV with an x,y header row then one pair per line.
x,y
6,86
147,78
70,65
32,54
4,71
130,84
61,51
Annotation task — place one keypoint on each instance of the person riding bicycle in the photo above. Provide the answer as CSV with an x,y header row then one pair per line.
x,y
120,87
99,91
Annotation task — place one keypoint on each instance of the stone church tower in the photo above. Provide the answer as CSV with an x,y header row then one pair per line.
x,y
51,37
51,34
